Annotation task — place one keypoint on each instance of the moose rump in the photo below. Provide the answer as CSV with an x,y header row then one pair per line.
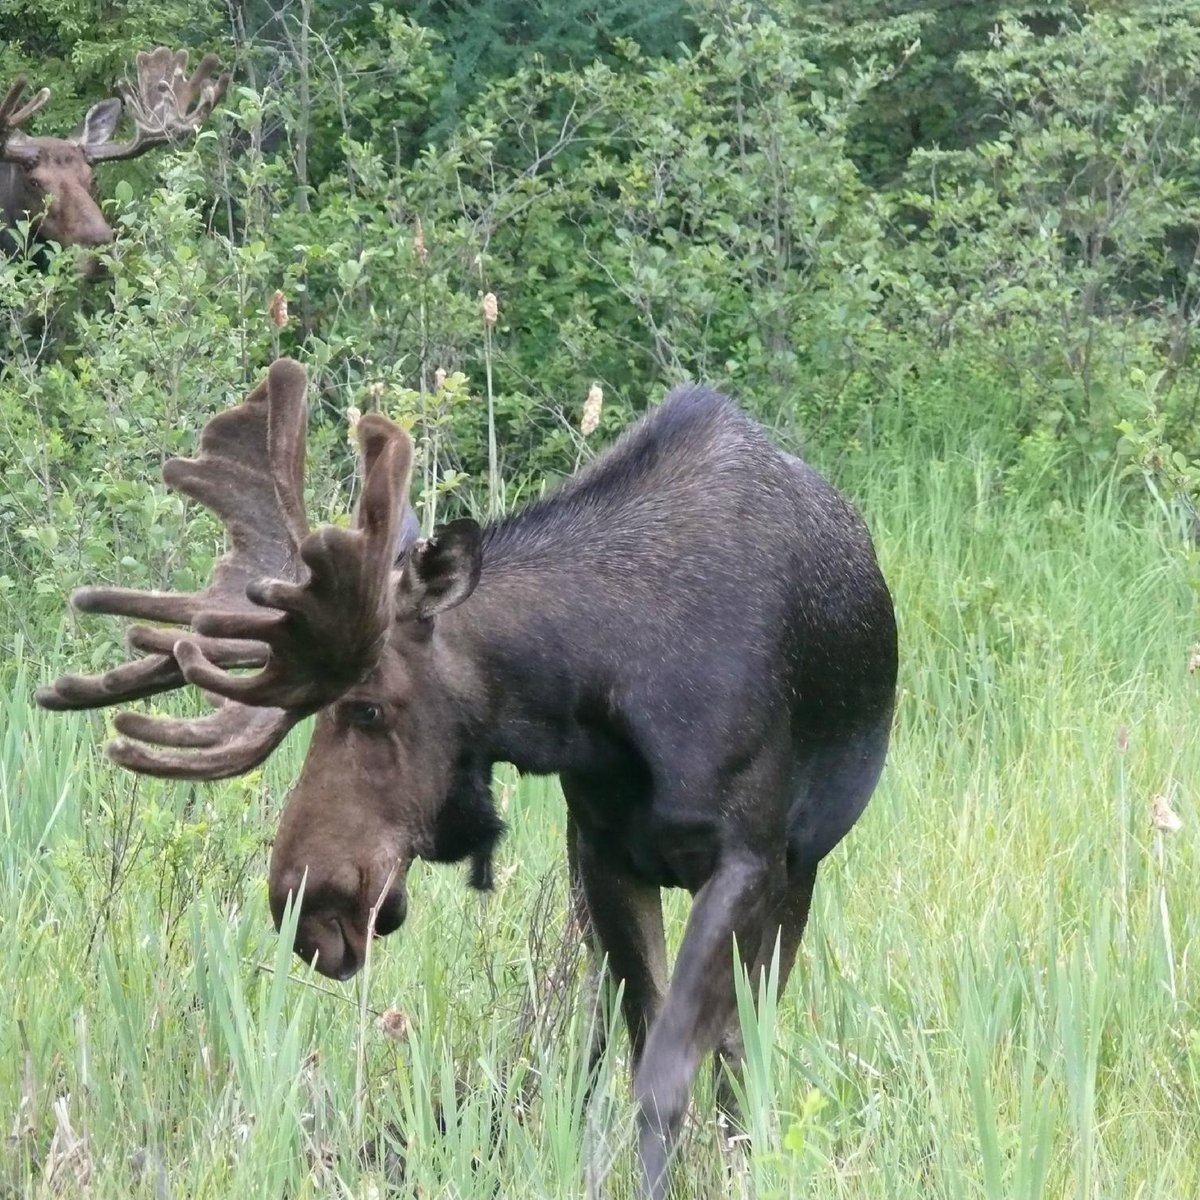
x,y
693,633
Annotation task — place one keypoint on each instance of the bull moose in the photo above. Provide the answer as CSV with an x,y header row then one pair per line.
x,y
49,180
693,633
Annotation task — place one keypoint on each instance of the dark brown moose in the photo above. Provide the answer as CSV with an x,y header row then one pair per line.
x,y
49,180
693,633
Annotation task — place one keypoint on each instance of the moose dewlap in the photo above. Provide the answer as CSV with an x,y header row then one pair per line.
x,y
693,633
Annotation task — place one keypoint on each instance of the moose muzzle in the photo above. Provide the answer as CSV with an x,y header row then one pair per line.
x,y
340,910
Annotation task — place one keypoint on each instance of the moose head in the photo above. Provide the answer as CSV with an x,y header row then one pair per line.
x,y
341,622
50,179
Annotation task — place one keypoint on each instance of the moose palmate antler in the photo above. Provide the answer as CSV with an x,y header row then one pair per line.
x,y
166,105
310,610
14,145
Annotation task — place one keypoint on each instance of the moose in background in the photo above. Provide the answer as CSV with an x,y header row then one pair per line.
x,y
693,633
49,180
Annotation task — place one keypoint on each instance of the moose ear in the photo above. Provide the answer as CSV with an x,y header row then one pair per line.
x,y
442,571
99,125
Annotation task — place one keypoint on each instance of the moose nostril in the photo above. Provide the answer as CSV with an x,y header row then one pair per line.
x,y
390,914
96,237
284,888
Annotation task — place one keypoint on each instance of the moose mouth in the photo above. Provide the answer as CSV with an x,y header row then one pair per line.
x,y
334,942
91,268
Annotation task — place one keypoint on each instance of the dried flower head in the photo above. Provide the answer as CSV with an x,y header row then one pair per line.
x,y
591,410
419,248
375,391
353,416
1163,817
68,1165
491,310
439,379
277,310
1194,659
395,1025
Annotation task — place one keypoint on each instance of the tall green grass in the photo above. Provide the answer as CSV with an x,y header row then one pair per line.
x,y
996,997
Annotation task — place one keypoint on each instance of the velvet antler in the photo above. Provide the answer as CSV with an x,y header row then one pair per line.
x,y
311,610
14,145
166,105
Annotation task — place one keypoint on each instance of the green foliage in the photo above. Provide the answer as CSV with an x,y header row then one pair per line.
x,y
79,48
932,103
642,220
997,958
1172,477
494,39
1066,241
646,219
962,274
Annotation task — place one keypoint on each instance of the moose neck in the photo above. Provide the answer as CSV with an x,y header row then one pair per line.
x,y
527,646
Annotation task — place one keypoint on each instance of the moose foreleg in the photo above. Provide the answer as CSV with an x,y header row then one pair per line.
x,y
626,917
700,1002
622,917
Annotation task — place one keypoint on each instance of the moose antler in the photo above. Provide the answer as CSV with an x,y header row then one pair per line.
x,y
15,146
166,105
312,610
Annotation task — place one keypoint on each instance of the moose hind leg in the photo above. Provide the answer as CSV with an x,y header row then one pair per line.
x,y
698,1006
785,928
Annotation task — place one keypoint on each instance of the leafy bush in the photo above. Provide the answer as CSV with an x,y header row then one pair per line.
x,y
641,220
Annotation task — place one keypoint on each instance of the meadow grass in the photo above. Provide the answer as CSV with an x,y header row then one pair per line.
x,y
995,997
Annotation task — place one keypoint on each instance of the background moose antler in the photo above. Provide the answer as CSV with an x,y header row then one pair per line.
x,y
14,145
310,610
166,105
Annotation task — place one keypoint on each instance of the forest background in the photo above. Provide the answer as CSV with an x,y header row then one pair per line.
x,y
949,251
875,223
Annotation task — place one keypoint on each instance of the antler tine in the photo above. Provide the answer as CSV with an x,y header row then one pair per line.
x,y
250,473
12,117
231,741
201,85
326,634
165,105
142,677
14,145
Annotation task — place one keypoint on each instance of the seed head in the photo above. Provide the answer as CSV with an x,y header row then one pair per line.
x,y
1194,659
491,309
395,1025
419,248
353,416
591,410
439,379
375,391
277,310
1163,817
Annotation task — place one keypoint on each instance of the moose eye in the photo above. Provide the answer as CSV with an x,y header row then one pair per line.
x,y
365,714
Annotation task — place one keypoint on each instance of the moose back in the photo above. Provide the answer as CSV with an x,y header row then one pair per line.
x,y
693,633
